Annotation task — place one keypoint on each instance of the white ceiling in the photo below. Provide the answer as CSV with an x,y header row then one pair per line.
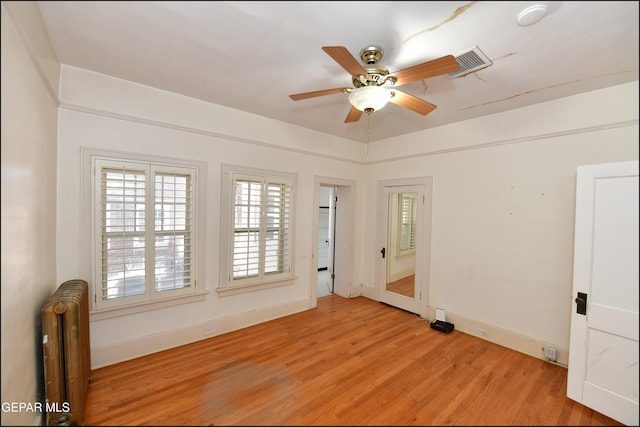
x,y
251,55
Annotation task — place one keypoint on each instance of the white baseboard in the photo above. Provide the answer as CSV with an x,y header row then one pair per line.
x,y
126,350
494,334
111,354
402,274
368,292
503,337
355,291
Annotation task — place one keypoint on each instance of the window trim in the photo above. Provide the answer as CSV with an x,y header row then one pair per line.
x,y
227,230
90,239
411,227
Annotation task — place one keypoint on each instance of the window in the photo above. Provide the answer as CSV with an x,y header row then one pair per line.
x,y
260,233
408,215
144,231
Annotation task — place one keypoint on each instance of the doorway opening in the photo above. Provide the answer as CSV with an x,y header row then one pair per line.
x,y
332,261
326,240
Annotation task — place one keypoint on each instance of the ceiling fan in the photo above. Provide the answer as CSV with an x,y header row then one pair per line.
x,y
374,86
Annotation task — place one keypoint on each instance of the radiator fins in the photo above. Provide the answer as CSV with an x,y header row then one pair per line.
x,y
66,352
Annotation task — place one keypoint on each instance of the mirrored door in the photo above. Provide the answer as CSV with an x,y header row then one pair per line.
x,y
400,214
401,243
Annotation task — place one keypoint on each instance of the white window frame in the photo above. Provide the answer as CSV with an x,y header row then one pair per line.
x,y
94,161
228,285
407,230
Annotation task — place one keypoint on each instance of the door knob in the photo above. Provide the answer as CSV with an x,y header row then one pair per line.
x,y
581,302
383,252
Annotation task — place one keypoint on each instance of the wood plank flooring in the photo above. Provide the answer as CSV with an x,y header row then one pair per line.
x,y
404,286
347,362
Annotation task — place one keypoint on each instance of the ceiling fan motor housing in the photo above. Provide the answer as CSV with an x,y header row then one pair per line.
x,y
375,73
372,83
375,77
371,55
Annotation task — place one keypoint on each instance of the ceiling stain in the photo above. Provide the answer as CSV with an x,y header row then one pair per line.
x,y
453,16
506,55
541,89
473,73
424,86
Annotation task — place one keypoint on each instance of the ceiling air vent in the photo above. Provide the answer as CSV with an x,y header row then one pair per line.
x,y
470,61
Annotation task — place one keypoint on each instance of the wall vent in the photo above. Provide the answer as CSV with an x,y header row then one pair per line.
x,y
470,61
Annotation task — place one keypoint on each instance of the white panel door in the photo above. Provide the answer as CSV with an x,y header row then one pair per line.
x,y
404,243
603,351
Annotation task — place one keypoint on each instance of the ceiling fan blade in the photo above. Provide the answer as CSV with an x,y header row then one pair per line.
x,y
413,103
353,115
445,65
314,94
341,55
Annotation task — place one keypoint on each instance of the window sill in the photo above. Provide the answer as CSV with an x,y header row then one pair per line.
x,y
109,313
406,254
243,289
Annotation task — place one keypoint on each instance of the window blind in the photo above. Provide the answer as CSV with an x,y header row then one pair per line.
x,y
261,228
146,230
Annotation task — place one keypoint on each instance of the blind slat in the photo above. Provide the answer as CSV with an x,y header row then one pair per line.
x,y
136,261
261,228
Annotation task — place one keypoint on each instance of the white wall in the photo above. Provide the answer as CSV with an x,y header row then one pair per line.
x,y
503,202
503,209
104,113
29,132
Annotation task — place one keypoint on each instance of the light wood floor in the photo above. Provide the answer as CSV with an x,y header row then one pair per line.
x,y
347,362
404,286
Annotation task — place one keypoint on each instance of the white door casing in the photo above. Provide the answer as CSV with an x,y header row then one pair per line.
x,y
342,256
342,249
423,187
603,351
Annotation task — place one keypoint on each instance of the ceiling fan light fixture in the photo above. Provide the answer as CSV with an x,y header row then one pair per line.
x,y
370,98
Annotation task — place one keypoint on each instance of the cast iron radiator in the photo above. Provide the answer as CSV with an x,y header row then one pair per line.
x,y
66,351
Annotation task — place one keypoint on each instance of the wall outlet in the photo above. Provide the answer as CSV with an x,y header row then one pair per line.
x,y
549,353
208,330
481,332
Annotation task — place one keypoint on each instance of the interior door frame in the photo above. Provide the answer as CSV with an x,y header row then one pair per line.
x,y
344,230
331,231
423,241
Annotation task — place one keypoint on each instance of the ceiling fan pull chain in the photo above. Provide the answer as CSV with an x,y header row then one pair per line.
x,y
366,148
371,84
